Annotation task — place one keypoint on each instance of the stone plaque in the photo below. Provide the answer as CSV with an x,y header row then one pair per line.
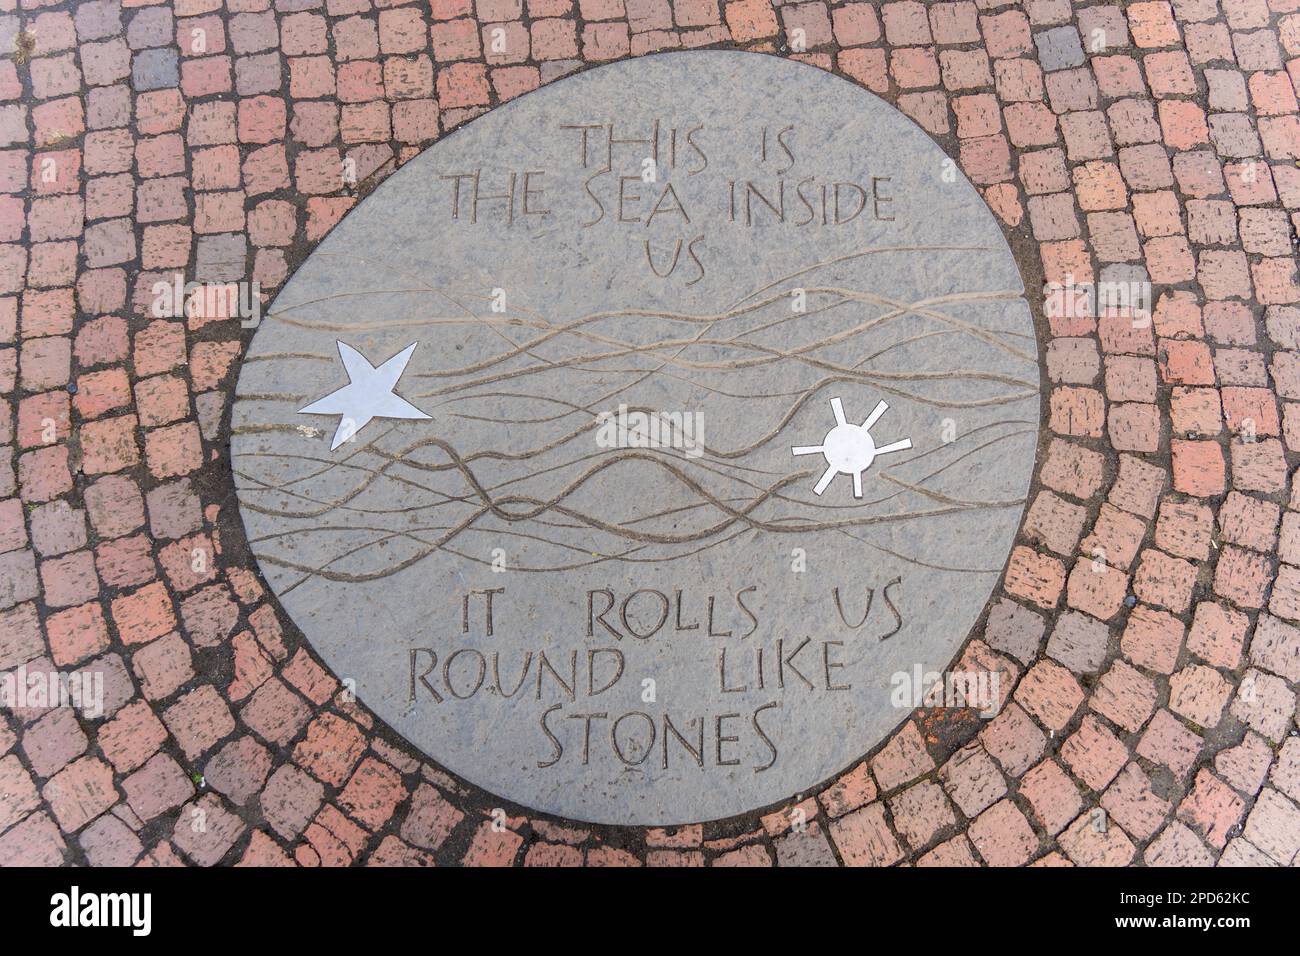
x,y
633,447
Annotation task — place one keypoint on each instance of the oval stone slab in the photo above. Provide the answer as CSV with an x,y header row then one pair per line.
x,y
637,449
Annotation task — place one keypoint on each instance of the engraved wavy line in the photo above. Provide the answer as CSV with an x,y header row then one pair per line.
x,y
865,251
532,398
574,327
915,487
398,458
781,524
856,254
770,355
912,487
735,516
623,556
917,561
284,487
282,356
624,347
898,309
372,474
382,266
536,507
742,516
394,458
614,392
325,506
808,395
856,504
617,391
627,555
574,407
586,519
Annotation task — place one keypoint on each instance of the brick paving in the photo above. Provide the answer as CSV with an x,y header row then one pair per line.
x,y
1149,618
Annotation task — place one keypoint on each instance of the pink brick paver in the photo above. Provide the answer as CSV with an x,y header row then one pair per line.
x,y
1147,628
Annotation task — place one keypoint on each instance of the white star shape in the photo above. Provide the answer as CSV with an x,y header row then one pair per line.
x,y
368,394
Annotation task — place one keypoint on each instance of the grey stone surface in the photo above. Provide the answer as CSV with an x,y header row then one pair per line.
x,y
1059,48
97,19
156,69
107,62
174,509
257,74
221,258
1014,629
804,848
715,555
1079,642
17,578
152,26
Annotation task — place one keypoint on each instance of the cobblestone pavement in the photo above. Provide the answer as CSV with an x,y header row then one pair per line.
x,y
1147,625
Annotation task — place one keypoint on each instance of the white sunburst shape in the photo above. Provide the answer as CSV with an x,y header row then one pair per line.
x,y
849,449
